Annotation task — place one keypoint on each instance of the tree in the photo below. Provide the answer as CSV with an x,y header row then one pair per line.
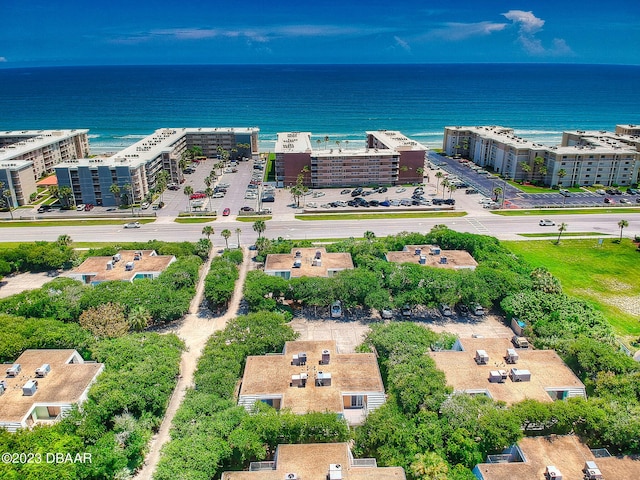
x,y
622,224
162,180
326,140
105,321
64,240
538,162
526,168
497,192
259,226
438,175
420,171
452,188
115,190
139,318
6,196
445,183
188,191
238,232
226,233
65,194
207,230
561,174
561,229
299,189
369,235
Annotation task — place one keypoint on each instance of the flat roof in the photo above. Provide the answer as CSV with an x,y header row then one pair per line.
x,y
312,462
149,262
565,452
64,384
508,137
455,258
279,262
33,140
350,372
396,140
546,367
293,142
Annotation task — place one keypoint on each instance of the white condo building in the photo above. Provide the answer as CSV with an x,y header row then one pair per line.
x,y
583,157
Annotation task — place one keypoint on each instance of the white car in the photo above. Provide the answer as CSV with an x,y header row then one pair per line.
x,y
144,205
218,195
312,205
132,225
401,190
318,194
546,223
600,192
80,207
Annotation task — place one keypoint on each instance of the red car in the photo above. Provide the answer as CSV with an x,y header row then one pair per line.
x,y
195,196
226,212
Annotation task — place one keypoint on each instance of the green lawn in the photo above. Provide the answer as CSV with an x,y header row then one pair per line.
x,y
194,219
73,223
253,218
533,189
565,211
565,234
378,216
607,276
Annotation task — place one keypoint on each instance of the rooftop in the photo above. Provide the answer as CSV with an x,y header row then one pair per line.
x,y
567,453
64,384
308,267
272,375
432,256
293,142
396,140
30,140
313,461
148,262
547,370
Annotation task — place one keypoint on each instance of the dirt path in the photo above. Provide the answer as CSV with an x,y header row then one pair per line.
x,y
194,331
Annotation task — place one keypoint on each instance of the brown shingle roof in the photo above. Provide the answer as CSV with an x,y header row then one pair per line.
x,y
149,262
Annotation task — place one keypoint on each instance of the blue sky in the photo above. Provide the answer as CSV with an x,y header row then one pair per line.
x,y
71,32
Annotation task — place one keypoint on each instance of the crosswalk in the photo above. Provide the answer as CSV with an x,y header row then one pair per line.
x,y
478,225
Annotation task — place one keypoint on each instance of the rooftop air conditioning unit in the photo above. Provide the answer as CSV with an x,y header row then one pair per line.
x,y
14,370
512,356
117,257
30,388
129,266
110,265
43,370
591,471
482,358
297,263
335,471
552,472
291,476
326,356
443,260
3,386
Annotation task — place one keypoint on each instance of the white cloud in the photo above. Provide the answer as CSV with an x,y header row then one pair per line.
x,y
459,31
402,44
528,26
527,21
3,59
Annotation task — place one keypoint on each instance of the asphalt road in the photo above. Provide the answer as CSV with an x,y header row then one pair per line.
x,y
504,228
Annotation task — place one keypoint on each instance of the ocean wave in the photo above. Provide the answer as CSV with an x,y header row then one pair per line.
x,y
131,137
94,135
439,133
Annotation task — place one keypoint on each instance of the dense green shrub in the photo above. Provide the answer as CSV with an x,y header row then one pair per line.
x,y
220,281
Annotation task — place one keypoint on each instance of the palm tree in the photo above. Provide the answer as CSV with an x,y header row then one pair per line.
x,y
445,183
318,142
369,235
238,232
209,193
129,191
561,229
208,181
538,162
65,194
497,192
338,144
226,233
6,196
622,224
526,168
452,188
139,318
64,240
162,180
561,174
188,191
207,230
420,171
259,226
115,190
439,175
326,140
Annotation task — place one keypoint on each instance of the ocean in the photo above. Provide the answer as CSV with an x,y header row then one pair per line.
x,y
121,104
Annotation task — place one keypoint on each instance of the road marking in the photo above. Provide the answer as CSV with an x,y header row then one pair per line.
x,y
478,225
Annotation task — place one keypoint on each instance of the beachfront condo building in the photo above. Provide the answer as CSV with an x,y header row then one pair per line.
x,y
388,158
583,157
27,155
135,169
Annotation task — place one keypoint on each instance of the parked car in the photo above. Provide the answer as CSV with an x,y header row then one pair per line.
x,y
520,342
173,186
132,225
44,208
356,191
88,207
80,207
268,198
565,193
406,310
318,194
312,205
247,209
478,310
382,190
226,212
143,206
600,192
401,190
470,191
445,310
463,309
385,203
624,200
217,195
196,196
609,200
336,309
546,223
345,191
386,313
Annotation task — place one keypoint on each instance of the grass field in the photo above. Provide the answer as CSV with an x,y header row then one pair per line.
x,y
252,218
606,276
72,223
195,219
566,211
377,216
565,234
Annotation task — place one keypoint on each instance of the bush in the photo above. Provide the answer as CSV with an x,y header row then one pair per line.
x,y
220,282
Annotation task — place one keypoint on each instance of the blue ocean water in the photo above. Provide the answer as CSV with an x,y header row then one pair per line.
x,y
121,104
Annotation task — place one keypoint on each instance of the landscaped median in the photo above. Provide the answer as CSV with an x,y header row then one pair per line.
x,y
565,211
377,216
72,223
